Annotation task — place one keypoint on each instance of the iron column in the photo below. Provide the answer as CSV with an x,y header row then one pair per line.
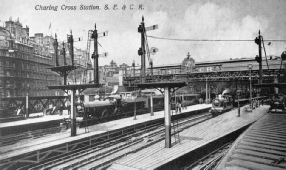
x,y
64,54
143,72
167,118
135,109
27,105
95,56
151,104
73,114
70,40
238,109
250,85
206,90
260,57
133,65
56,51
65,63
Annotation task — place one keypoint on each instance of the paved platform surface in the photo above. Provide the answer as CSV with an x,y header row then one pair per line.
x,y
34,118
64,137
192,138
261,147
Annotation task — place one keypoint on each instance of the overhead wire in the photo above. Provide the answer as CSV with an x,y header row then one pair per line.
x,y
265,53
178,39
216,40
101,46
147,46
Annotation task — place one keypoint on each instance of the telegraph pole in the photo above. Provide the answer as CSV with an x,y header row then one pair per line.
x,y
141,51
259,57
133,66
70,41
56,51
94,56
64,54
151,67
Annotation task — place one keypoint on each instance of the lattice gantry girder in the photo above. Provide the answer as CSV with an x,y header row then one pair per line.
x,y
268,75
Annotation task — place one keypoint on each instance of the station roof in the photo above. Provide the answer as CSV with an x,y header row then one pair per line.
x,y
279,85
75,86
161,84
205,63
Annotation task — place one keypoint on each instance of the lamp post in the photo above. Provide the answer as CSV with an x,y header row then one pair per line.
x,y
27,105
206,90
250,86
238,106
135,109
151,104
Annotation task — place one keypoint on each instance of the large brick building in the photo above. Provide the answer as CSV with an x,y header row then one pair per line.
x,y
24,60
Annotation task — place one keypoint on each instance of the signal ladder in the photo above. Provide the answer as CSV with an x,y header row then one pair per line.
x,y
87,56
175,125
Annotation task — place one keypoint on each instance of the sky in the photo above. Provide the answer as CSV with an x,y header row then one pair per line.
x,y
176,19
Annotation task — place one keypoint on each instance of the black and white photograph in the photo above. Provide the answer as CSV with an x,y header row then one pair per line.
x,y
142,84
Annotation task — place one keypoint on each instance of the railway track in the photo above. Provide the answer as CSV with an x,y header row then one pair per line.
x,y
103,153
20,137
210,161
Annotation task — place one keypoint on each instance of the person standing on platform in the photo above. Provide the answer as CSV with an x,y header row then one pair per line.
x,y
68,104
179,107
201,101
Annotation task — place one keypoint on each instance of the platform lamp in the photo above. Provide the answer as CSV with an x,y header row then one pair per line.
x,y
250,86
135,106
238,93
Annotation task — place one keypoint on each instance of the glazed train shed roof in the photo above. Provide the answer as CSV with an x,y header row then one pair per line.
x,y
205,63
161,84
278,85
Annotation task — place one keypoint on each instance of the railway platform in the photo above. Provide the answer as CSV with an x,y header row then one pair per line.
x,y
36,150
34,122
191,140
262,146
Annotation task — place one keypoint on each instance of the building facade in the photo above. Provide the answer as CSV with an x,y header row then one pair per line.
x,y
110,74
23,63
25,59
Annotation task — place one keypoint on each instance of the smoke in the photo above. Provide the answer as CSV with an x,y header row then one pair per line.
x,y
203,21
225,91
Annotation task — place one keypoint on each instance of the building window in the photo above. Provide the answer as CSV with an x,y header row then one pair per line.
x,y
8,93
7,82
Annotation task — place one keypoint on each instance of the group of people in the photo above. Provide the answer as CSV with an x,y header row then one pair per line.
x,y
179,106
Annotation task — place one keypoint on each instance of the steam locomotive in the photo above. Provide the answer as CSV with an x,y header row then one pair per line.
x,y
277,101
221,104
109,109
115,108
